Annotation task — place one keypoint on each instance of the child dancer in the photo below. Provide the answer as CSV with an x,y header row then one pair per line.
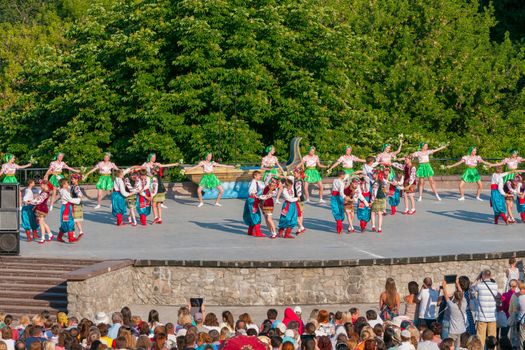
x,y
144,197
363,207
105,182
298,191
270,165
385,157
268,204
252,213
409,186
471,173
209,180
78,211
337,201
131,200
42,209
497,195
118,198
55,170
67,220
520,200
311,160
349,201
28,215
378,200
395,192
9,169
347,161
424,170
150,163
158,194
511,163
289,212
511,189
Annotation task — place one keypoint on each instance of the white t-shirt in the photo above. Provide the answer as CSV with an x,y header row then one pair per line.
x,y
427,303
427,345
406,346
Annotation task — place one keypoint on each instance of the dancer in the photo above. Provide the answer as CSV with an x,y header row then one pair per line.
x,y
289,212
378,200
471,173
337,201
363,207
118,198
78,210
151,162
41,211
271,167
268,204
497,195
55,170
395,191
105,182
252,213
144,197
131,200
298,191
511,189
347,161
67,220
28,215
311,160
520,200
158,194
424,170
387,155
9,169
409,186
511,163
209,180
352,195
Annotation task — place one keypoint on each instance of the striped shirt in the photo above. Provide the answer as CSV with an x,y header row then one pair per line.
x,y
486,305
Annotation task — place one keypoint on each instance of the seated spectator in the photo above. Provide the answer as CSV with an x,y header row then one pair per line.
x,y
323,319
447,344
245,317
371,317
36,335
406,341
427,341
7,337
211,322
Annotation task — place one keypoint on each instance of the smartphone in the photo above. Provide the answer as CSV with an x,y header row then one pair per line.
x,y
451,279
196,305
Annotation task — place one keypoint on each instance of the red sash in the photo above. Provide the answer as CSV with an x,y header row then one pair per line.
x,y
68,210
335,193
143,201
494,187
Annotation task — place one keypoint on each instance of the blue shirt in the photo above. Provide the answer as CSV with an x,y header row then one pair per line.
x,y
113,330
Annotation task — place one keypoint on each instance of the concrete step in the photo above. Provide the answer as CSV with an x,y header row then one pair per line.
x,y
28,272
32,302
17,310
36,295
58,261
40,266
32,288
43,281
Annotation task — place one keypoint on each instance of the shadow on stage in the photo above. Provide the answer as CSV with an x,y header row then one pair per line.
x,y
228,225
470,216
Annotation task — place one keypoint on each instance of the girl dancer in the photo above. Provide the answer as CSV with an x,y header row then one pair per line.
x,y
351,195
42,209
298,191
268,204
337,201
311,160
252,213
55,170
105,182
209,180
424,170
385,157
28,214
378,200
151,162
131,200
9,169
270,164
520,200
512,163
118,198
144,197
395,192
67,220
471,173
158,194
511,189
363,208
497,195
289,212
409,186
347,160
78,212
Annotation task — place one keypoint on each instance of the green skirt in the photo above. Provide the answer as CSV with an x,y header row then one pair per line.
x,y
269,173
348,171
159,198
311,175
471,175
424,170
10,179
54,179
209,181
509,177
105,183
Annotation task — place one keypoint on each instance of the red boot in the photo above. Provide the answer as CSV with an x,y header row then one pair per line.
x,y
281,233
339,226
60,237
393,209
119,219
28,234
250,230
362,224
522,216
496,219
288,233
35,234
504,217
257,231
143,219
71,237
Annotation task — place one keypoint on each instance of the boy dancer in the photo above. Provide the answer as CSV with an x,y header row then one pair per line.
x,y
378,200
78,213
337,201
252,213
28,215
67,220
144,197
289,212
118,197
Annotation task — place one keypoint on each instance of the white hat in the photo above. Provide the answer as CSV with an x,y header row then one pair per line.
x,y
182,332
406,333
101,317
289,333
281,327
298,310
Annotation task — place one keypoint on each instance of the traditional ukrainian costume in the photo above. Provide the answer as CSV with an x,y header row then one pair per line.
x,y
158,191
105,182
311,173
268,203
424,169
347,162
118,200
143,203
289,213
337,203
252,214
78,213
269,162
56,168
409,178
378,197
67,220
131,200
29,223
385,159
363,210
497,197
40,203
511,164
9,170
471,174
395,197
520,202
208,180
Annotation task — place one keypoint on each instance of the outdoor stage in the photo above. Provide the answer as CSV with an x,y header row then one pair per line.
x,y
213,233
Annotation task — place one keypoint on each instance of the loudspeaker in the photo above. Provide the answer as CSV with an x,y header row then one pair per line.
x,y
9,196
10,243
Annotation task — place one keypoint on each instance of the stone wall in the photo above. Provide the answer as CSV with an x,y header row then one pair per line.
x,y
275,283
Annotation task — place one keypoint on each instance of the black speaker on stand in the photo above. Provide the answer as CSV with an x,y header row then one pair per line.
x,y
9,219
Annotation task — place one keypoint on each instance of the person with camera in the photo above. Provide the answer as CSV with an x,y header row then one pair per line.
x,y
427,299
486,293
455,313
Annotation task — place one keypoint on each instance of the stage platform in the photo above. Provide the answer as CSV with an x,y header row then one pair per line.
x,y
218,234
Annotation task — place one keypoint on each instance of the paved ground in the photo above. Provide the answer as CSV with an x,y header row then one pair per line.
x,y
212,233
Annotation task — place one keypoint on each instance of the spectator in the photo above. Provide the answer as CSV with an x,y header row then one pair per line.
x,y
298,311
153,319
491,343
245,317
289,316
389,338
35,335
427,299
389,301
447,344
143,342
271,315
211,322
411,301
512,273
427,341
464,285
474,343
455,314
227,321
505,297
371,317
486,291
170,333
355,314
406,343
116,319
324,323
276,342
7,337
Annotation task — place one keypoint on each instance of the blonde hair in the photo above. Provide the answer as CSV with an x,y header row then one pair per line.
x,y
24,320
37,320
49,345
367,333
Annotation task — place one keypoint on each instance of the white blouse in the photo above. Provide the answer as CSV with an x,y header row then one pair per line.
x,y
56,166
65,197
422,156
311,161
512,163
207,166
106,167
288,195
9,168
472,161
347,161
269,161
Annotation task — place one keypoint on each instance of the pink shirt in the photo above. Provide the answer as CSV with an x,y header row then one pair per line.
x,y
207,166
269,161
385,158
472,161
9,168
512,163
106,167
56,166
347,161
310,161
